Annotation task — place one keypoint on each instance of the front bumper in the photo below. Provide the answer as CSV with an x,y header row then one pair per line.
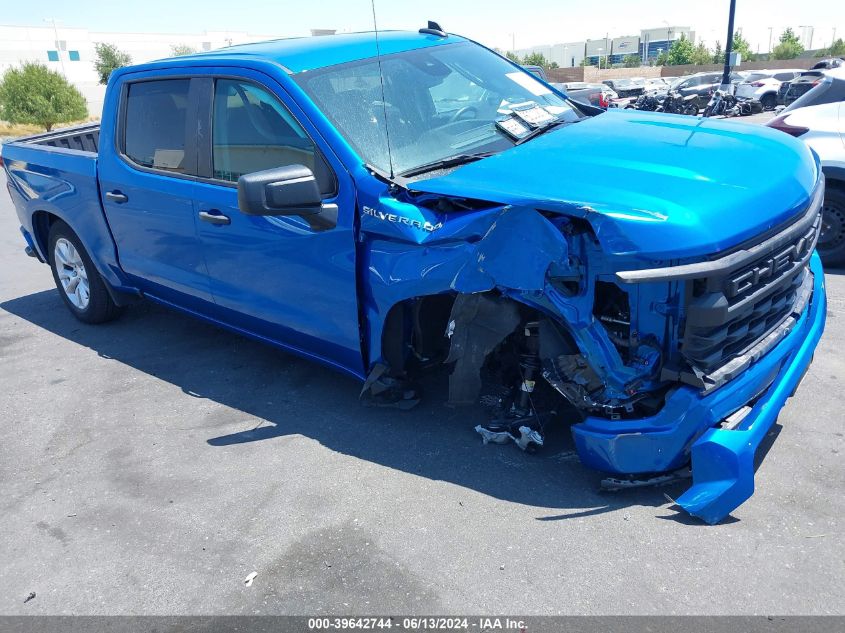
x,y
686,427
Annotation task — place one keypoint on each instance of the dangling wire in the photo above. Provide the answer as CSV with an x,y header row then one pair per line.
x,y
383,100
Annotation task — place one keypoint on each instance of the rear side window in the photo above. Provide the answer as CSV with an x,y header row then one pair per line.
x,y
252,131
155,128
785,76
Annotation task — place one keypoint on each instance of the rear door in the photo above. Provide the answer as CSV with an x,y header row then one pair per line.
x,y
275,275
147,188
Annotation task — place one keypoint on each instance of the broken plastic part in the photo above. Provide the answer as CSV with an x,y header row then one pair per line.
x,y
526,438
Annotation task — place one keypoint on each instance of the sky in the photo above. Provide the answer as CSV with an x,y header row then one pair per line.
x,y
495,23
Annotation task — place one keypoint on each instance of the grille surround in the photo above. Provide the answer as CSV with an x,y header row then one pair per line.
x,y
738,305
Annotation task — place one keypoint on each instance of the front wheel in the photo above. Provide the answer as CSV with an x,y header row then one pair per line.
x,y
80,285
831,244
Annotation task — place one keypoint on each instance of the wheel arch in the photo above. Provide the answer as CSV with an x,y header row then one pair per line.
x,y
834,176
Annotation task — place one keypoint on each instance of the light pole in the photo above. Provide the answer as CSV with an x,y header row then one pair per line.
x,y
726,73
770,40
599,58
58,48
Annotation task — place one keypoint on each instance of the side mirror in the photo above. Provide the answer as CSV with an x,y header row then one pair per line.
x,y
289,190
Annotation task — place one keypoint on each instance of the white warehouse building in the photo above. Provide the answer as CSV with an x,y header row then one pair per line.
x,y
647,45
70,51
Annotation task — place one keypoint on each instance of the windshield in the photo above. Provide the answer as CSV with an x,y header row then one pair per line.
x,y
756,77
440,102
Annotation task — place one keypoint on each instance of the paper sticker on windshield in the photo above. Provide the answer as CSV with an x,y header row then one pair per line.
x,y
529,83
514,127
534,116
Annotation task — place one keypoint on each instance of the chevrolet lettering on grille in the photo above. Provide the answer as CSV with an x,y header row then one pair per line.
x,y
769,268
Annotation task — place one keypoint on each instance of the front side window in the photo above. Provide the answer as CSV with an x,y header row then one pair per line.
x,y
156,121
433,103
252,131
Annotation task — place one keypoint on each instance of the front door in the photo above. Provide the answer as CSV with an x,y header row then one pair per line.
x,y
274,275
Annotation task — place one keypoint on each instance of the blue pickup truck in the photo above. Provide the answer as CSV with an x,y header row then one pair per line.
x,y
398,204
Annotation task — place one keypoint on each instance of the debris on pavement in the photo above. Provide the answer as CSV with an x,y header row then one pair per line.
x,y
31,596
248,580
528,439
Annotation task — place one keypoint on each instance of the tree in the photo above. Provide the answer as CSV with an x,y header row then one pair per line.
x,y
837,48
512,56
632,61
681,52
741,46
35,94
662,58
535,59
701,55
109,59
718,53
789,47
178,50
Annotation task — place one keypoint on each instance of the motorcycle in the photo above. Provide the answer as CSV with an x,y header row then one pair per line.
x,y
645,102
725,104
676,103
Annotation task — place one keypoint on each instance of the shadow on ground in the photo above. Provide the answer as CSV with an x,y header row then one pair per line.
x,y
294,396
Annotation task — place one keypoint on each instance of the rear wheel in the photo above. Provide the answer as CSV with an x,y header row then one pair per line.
x,y
80,285
769,101
831,245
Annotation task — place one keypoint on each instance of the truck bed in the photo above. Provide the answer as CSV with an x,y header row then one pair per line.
x,y
84,138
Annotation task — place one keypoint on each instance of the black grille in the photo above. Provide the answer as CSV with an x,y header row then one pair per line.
x,y
730,311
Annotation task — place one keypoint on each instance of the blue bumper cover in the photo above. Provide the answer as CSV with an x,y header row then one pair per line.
x,y
722,459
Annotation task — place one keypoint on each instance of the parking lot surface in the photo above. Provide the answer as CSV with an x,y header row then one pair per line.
x,y
149,465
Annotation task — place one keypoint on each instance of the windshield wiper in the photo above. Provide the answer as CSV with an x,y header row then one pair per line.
x,y
443,163
540,130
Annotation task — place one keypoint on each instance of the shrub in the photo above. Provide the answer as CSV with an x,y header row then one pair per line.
x,y
35,94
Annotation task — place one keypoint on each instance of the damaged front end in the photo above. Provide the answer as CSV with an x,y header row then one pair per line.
x,y
538,323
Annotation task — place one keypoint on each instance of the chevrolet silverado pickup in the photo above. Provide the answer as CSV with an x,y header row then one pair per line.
x,y
400,203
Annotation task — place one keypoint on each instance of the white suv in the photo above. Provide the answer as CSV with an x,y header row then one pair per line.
x,y
763,85
818,118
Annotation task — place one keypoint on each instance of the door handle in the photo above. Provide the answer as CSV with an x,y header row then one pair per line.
x,y
117,196
214,217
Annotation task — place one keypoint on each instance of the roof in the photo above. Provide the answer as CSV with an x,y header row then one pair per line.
x,y
308,53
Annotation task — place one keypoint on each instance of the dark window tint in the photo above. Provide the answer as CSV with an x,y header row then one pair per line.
x,y
156,115
253,131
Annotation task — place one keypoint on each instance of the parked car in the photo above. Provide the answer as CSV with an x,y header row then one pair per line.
x,y
702,84
625,88
334,202
656,85
818,119
537,71
805,82
763,85
597,95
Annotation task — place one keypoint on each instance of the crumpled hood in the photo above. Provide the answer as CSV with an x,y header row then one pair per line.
x,y
663,186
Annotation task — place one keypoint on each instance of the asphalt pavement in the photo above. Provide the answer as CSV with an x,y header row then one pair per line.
x,y
150,465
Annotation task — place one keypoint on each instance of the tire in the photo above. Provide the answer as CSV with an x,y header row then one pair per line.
x,y
831,244
691,110
80,285
769,101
